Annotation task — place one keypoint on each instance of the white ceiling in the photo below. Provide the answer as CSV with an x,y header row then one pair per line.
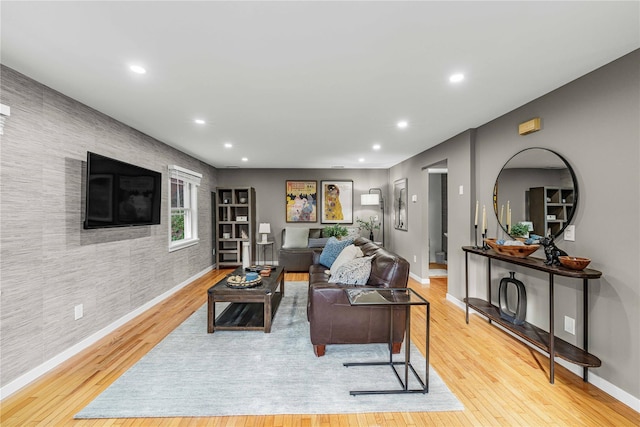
x,y
311,84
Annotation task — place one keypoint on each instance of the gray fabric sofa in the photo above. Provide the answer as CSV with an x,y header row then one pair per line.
x,y
299,259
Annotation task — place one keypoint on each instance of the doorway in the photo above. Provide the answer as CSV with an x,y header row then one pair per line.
x,y
437,220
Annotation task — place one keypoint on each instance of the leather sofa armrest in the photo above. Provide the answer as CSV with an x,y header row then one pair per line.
x,y
328,293
316,256
324,295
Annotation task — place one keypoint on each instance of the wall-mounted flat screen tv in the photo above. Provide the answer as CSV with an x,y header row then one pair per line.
x,y
120,194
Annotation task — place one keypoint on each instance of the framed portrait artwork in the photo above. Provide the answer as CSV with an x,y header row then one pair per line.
x,y
301,201
337,202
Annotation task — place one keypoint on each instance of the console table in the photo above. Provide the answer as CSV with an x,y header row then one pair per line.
x,y
546,341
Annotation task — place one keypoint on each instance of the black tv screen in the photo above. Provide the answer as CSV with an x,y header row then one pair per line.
x,y
120,194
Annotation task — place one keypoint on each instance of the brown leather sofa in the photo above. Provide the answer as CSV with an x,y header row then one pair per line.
x,y
333,320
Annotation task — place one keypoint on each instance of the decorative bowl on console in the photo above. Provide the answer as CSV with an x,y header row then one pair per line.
x,y
520,251
574,262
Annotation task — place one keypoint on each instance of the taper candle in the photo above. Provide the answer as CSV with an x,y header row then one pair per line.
x,y
476,220
484,218
502,214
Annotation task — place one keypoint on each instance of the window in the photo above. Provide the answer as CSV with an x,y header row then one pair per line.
x,y
183,216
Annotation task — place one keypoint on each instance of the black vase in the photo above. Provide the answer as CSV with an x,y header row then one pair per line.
x,y
371,235
517,317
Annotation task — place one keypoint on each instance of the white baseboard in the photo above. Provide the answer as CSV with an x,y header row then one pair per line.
x,y
419,279
604,385
50,364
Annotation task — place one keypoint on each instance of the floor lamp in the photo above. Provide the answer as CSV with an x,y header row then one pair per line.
x,y
372,198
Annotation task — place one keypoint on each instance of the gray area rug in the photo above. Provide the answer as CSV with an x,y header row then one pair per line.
x,y
194,374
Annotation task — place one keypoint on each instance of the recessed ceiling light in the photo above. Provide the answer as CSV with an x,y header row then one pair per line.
x,y
361,160
376,146
199,121
137,69
402,124
228,145
456,78
245,159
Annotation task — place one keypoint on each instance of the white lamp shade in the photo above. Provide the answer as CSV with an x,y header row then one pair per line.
x,y
369,199
264,227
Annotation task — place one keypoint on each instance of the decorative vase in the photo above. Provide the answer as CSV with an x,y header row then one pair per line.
x,y
246,261
371,235
516,317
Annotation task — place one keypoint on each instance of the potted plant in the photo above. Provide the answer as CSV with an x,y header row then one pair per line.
x,y
336,231
519,230
368,225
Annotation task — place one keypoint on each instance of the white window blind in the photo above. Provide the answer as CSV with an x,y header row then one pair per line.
x,y
185,175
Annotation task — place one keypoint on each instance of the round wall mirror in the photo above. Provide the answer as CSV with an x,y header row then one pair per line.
x,y
540,189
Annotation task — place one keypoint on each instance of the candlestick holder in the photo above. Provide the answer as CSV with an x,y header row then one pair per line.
x,y
475,237
485,247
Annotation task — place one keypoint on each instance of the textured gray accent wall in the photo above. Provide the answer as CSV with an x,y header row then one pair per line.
x,y
594,123
270,193
49,263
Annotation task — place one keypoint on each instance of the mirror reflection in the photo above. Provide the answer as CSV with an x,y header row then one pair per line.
x,y
538,187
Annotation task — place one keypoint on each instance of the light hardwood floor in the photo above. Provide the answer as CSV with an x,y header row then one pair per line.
x,y
499,380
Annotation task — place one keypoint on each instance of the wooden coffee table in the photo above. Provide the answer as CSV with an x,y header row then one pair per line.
x,y
250,309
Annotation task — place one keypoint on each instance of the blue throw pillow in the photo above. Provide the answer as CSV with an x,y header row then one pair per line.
x,y
332,249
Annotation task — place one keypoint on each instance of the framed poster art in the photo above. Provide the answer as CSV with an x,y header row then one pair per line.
x,y
302,201
337,202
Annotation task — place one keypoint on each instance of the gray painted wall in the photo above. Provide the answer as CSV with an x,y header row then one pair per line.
x,y
49,262
270,193
413,244
594,123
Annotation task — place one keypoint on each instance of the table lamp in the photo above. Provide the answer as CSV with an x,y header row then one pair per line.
x,y
264,229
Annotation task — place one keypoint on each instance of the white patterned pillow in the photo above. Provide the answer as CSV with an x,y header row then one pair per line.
x,y
332,249
354,272
349,253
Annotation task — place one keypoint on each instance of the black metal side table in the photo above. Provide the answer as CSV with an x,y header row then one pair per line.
x,y
394,297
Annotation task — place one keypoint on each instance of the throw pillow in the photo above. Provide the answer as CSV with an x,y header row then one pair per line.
x,y
347,254
354,272
315,233
295,237
332,249
319,242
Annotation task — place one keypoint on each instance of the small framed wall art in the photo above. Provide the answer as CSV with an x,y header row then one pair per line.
x,y
337,202
301,201
400,220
